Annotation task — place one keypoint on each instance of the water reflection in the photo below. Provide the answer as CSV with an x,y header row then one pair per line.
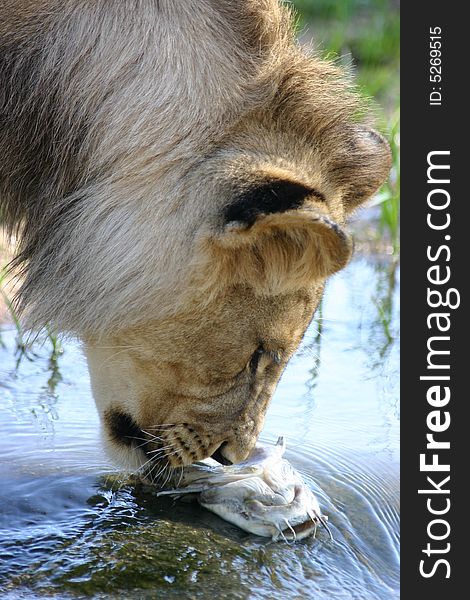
x,y
312,347
384,329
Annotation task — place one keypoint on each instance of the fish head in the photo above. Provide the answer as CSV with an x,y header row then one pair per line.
x,y
254,506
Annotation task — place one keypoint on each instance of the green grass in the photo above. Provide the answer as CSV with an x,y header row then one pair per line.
x,y
389,196
367,30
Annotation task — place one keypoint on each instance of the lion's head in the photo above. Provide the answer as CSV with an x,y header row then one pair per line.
x,y
198,382
180,177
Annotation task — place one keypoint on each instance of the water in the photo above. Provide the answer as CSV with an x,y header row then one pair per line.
x,y
70,528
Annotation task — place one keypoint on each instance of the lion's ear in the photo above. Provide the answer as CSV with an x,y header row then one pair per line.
x,y
265,197
365,166
276,237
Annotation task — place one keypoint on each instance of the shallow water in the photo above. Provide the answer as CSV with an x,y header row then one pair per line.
x,y
70,528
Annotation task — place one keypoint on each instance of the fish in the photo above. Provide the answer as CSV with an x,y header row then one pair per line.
x,y
263,495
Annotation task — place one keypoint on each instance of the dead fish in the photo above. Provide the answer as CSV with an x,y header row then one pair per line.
x,y
263,495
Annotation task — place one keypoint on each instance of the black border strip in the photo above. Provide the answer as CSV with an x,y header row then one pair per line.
x,y
429,128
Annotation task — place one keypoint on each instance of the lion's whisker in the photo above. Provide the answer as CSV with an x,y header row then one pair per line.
x,y
154,437
160,449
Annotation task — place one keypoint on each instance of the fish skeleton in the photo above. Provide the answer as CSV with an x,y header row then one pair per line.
x,y
263,495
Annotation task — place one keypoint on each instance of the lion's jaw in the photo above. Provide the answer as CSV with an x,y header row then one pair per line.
x,y
176,391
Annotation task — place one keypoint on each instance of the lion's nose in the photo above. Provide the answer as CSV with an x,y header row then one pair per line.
x,y
219,456
235,452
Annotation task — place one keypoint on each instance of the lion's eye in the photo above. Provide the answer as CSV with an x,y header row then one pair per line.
x,y
255,358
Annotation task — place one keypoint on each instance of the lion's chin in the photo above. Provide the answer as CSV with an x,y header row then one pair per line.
x,y
145,467
128,459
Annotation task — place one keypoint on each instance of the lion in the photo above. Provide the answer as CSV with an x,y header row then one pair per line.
x,y
178,175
